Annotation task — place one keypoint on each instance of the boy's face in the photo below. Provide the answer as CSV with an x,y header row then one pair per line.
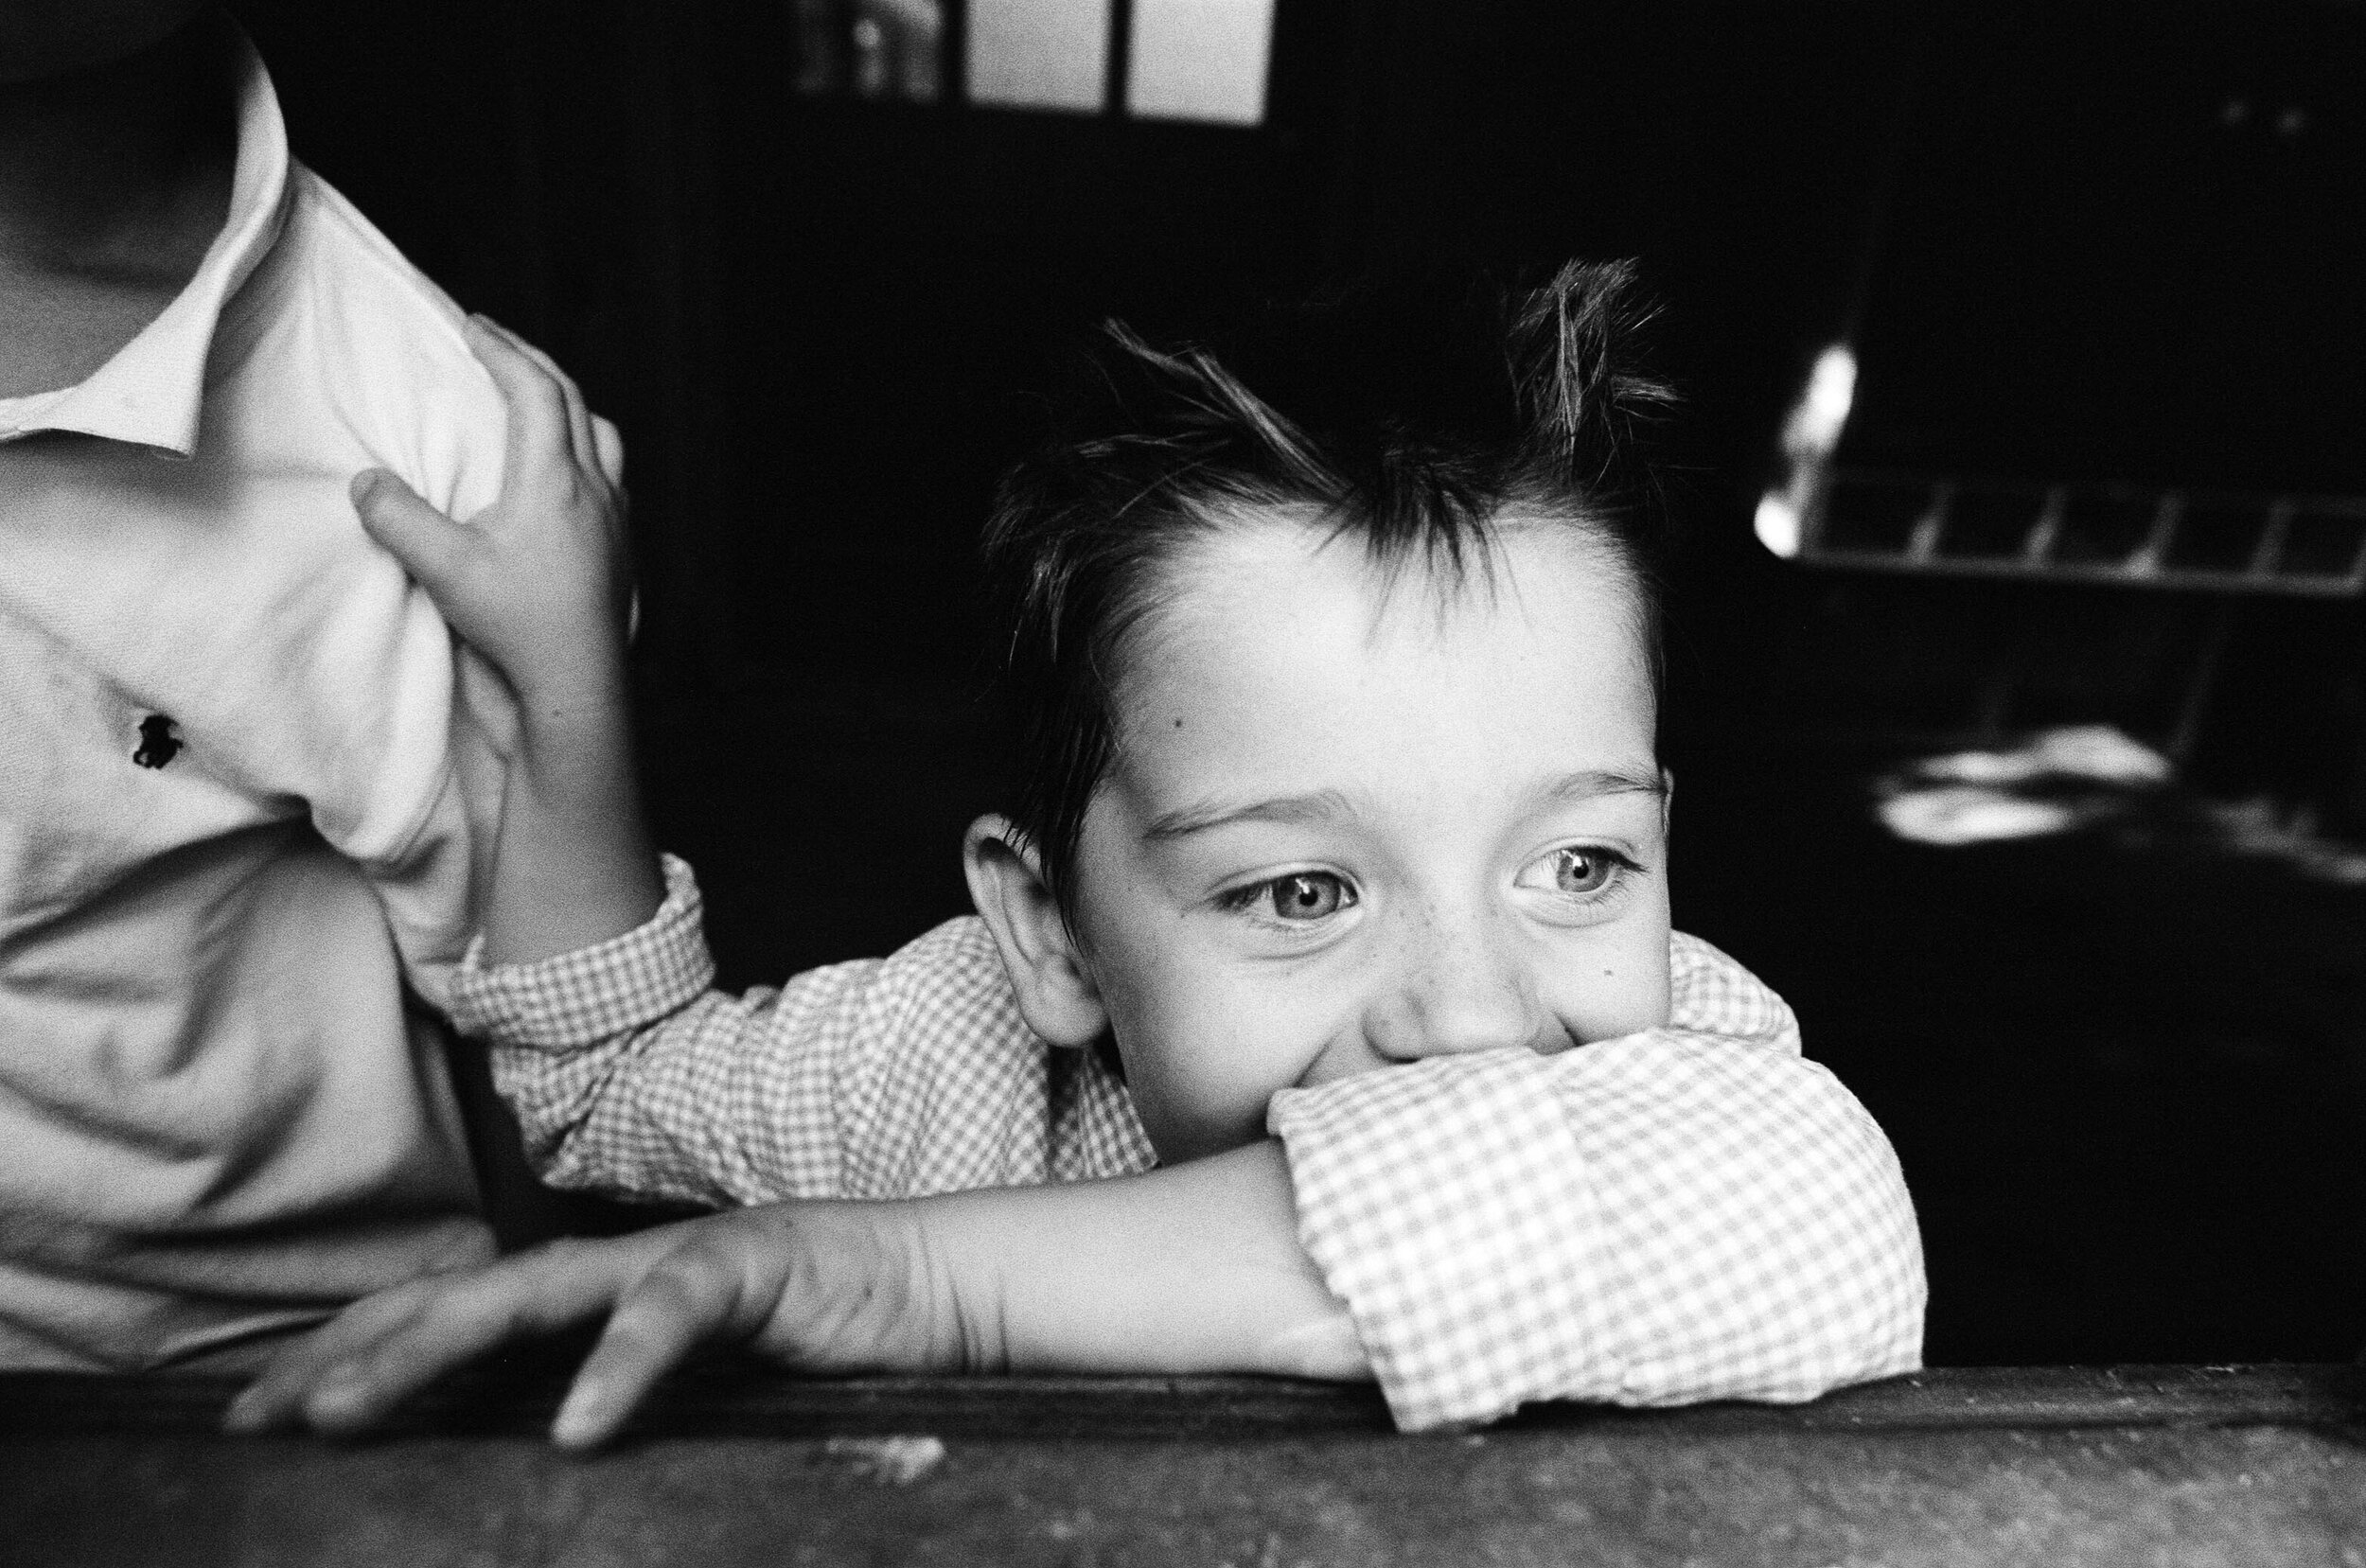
x,y
1349,827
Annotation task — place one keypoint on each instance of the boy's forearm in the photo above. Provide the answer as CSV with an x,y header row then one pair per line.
x,y
575,865
1197,1268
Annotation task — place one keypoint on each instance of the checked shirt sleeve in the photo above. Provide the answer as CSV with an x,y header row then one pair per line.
x,y
592,992
1690,1213
882,1078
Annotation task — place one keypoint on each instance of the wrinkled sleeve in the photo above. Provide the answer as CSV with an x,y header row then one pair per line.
x,y
1689,1213
438,718
870,1079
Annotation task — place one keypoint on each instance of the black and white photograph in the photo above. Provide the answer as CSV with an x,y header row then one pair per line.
x,y
1248,783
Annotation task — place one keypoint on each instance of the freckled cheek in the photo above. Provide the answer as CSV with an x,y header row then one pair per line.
x,y
1608,995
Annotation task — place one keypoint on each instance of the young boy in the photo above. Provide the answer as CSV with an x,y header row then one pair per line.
x,y
1340,821
232,825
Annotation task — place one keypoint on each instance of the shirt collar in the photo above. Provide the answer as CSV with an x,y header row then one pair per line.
x,y
151,392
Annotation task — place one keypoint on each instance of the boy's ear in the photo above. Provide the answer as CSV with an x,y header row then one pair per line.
x,y
1056,990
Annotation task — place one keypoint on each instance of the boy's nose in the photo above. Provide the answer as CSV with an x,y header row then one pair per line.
x,y
1459,990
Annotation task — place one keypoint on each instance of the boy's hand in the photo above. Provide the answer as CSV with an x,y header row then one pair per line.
x,y
538,582
832,1287
1195,1268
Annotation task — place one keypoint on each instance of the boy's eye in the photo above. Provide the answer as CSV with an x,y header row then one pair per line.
x,y
1308,896
1582,869
1583,873
1299,896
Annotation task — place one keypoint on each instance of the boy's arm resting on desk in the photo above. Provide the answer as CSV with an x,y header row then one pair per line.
x,y
1195,1269
1694,1212
1657,1220
1674,1216
1481,1266
1690,1213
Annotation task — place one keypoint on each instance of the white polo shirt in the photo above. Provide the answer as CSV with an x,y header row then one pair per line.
x,y
232,741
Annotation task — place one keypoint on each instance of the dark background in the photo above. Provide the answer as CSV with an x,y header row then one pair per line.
x,y
2124,1070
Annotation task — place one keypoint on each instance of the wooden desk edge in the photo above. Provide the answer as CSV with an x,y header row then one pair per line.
x,y
735,1399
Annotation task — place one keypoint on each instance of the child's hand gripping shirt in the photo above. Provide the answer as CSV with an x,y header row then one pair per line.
x,y
1693,1212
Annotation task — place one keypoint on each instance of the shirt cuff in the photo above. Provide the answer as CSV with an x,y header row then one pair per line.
x,y
1448,1204
577,999
1710,993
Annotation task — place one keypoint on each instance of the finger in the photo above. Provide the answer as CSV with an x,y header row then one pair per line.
x,y
538,432
435,1326
691,1294
540,1291
584,439
580,442
275,1399
609,447
362,1389
430,545
610,444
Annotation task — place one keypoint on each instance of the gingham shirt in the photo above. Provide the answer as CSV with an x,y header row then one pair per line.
x,y
1693,1212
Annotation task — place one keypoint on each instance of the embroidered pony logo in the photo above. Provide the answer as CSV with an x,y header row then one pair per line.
x,y
158,744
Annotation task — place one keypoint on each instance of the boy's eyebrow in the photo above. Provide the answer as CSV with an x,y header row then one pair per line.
x,y
1593,781
1320,804
1314,806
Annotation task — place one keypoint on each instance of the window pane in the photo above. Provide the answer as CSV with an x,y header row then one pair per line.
x,y
1039,54
1200,60
896,48
871,48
